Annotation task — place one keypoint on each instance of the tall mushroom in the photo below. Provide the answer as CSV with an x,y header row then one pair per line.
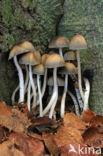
x,y
30,60
59,43
17,50
77,43
39,70
69,69
53,61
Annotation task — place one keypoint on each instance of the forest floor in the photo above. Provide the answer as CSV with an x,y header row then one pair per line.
x,y
23,134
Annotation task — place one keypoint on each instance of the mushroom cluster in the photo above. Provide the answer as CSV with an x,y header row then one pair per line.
x,y
40,75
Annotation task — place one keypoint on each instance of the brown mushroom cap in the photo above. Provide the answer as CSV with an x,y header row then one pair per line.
x,y
43,58
39,69
59,42
29,59
21,48
69,69
54,60
38,55
60,81
78,42
69,56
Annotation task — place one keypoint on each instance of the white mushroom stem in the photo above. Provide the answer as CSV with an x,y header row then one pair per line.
x,y
60,52
28,96
79,75
44,82
40,95
26,78
21,80
32,85
54,95
54,91
86,94
17,88
14,94
75,103
80,102
62,110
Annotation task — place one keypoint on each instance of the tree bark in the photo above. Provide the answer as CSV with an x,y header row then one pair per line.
x,y
85,17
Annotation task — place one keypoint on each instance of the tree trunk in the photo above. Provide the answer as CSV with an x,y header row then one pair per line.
x,y
20,20
85,17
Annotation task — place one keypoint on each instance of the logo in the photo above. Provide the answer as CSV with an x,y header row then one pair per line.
x,y
84,149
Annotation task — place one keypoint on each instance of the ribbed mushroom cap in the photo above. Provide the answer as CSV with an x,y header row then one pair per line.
x,y
60,81
43,58
21,48
69,69
59,42
78,42
27,46
38,55
29,59
69,56
39,69
54,60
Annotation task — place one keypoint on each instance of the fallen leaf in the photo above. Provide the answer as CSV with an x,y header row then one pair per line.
x,y
34,135
29,146
4,133
50,144
4,109
88,115
93,138
72,120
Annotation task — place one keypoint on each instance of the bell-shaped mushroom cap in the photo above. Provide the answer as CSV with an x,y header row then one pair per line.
x,y
27,46
69,56
43,58
60,81
29,59
37,54
59,42
21,48
54,60
78,42
69,69
39,69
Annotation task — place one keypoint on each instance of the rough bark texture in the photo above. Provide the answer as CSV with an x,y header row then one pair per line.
x,y
37,21
20,20
86,18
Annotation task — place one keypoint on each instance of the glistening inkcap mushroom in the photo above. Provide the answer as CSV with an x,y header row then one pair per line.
x,y
17,50
53,61
78,43
39,70
59,43
30,60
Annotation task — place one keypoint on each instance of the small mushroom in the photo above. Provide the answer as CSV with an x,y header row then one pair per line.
x,y
30,60
69,56
53,61
17,50
39,70
69,69
59,43
77,43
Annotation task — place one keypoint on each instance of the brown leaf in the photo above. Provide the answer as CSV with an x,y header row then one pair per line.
x,y
13,123
4,133
78,150
34,135
23,108
72,120
50,144
67,134
7,148
42,121
4,109
88,115
93,138
29,146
